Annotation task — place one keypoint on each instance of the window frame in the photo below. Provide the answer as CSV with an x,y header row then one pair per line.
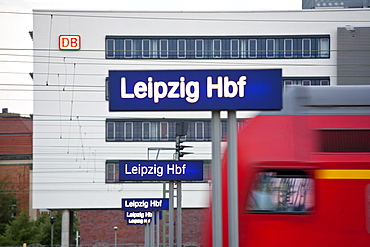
x,y
298,173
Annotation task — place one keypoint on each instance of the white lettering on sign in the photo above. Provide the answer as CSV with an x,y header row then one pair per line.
x,y
158,90
189,91
155,203
139,221
140,215
136,204
223,87
144,170
69,42
175,169
143,204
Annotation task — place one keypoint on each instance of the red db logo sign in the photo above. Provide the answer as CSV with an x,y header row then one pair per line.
x,y
69,42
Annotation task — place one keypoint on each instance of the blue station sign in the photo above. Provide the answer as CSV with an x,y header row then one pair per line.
x,y
138,221
138,215
145,204
160,170
175,90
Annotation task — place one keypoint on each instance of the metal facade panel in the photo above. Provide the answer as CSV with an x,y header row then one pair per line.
x,y
353,55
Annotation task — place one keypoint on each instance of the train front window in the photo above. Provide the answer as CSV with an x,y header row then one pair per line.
x,y
281,192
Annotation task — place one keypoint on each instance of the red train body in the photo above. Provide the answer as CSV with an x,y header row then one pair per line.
x,y
304,172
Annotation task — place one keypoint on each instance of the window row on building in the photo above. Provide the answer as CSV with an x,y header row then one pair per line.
x,y
126,47
112,172
157,130
314,81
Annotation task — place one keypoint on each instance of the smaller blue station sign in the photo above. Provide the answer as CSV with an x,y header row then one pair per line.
x,y
133,221
145,204
138,215
160,170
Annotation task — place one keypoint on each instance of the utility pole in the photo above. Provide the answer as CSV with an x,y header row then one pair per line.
x,y
52,220
181,130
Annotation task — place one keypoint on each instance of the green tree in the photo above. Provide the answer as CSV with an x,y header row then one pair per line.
x,y
44,224
24,230
21,230
8,204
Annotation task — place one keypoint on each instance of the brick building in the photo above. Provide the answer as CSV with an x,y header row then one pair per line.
x,y
16,156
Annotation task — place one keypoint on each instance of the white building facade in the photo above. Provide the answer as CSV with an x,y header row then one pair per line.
x,y
77,141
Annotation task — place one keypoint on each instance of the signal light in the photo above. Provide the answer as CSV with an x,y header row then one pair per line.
x,y
52,220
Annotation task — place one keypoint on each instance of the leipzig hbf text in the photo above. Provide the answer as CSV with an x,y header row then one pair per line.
x,y
159,171
157,90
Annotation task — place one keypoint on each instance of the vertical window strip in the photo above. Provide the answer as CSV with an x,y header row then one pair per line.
x,y
252,48
128,43
110,48
181,48
110,131
112,172
129,129
146,131
324,47
306,47
288,48
119,131
146,48
217,48
199,48
164,131
107,88
243,48
199,130
163,48
154,48
234,48
270,48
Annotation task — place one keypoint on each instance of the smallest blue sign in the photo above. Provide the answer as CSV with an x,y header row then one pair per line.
x,y
145,204
138,215
138,221
160,170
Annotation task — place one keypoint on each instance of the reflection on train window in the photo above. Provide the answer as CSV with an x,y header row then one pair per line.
x,y
281,192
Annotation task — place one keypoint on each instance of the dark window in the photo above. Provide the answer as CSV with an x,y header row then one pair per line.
x,y
111,172
281,192
344,141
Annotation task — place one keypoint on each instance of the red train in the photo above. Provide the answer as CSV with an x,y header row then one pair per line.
x,y
304,172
